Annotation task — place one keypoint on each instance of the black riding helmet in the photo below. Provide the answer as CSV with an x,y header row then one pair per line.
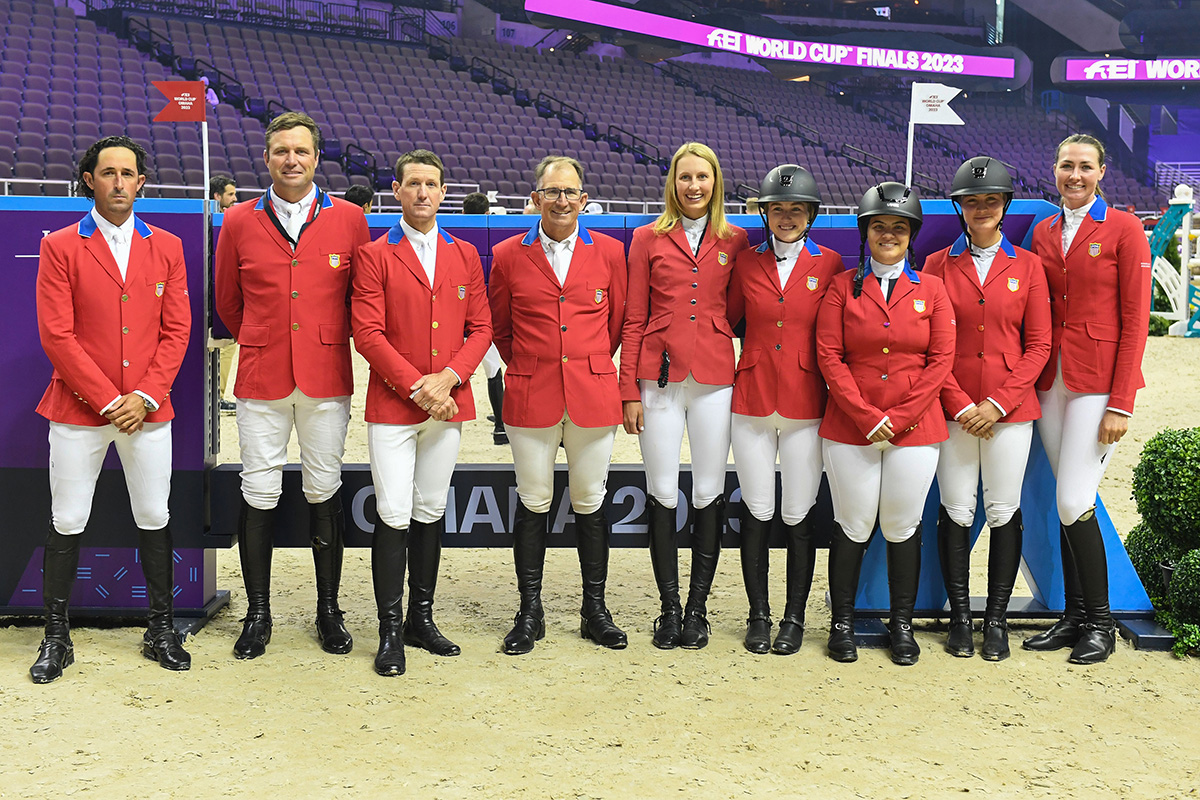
x,y
980,175
887,199
789,183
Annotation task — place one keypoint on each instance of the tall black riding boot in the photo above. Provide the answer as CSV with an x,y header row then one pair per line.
x,y
845,565
596,623
60,562
1098,637
256,531
1065,632
424,556
755,568
529,558
707,527
801,560
387,576
1004,560
161,643
954,551
496,397
904,573
327,528
664,559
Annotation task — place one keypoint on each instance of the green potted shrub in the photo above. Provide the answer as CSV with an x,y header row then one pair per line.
x,y
1149,551
1183,599
1166,486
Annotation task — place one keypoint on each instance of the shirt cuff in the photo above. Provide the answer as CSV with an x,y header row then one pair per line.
x,y
109,407
1003,413
965,410
1122,412
149,400
457,377
882,422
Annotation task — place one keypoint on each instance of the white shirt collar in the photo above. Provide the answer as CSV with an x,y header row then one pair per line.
x,y
788,250
107,229
694,225
1076,215
569,241
418,238
986,252
889,271
285,209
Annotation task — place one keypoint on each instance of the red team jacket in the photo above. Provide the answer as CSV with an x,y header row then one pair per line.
x,y
289,311
677,303
883,357
1099,303
778,368
558,341
1003,331
406,330
106,336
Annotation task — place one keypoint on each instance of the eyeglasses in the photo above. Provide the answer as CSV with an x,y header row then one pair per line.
x,y
552,193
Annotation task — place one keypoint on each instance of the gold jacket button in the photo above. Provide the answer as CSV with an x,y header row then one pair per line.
x,y
435,323
295,326
124,298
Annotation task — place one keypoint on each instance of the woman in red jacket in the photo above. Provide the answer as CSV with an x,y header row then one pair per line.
x,y
779,397
885,344
1002,307
1097,263
677,370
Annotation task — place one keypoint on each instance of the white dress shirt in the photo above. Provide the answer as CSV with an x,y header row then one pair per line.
x,y
424,245
983,258
886,273
786,254
694,230
1072,219
293,215
559,253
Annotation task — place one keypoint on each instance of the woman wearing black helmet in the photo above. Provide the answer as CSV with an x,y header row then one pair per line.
x,y
779,396
1002,306
885,344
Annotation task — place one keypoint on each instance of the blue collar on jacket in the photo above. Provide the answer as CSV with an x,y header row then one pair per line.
x,y
809,246
960,245
87,226
396,234
532,236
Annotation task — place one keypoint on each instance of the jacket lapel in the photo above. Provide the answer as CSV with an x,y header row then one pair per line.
x,y
139,248
904,287
680,239
766,260
872,290
408,256
447,254
99,250
272,232
1083,236
965,264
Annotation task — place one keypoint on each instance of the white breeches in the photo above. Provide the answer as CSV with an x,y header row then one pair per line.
x,y
589,451
888,483
1070,430
705,411
1001,460
756,443
411,466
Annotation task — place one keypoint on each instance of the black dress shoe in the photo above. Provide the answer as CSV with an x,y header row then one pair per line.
x,y
959,642
256,635
841,644
695,630
668,630
389,660
527,629
165,647
54,655
1064,633
758,635
600,628
789,639
995,640
1097,642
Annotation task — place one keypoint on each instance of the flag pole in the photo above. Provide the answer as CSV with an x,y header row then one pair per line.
x,y
908,166
211,418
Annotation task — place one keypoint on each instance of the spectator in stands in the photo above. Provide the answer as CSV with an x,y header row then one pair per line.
x,y
530,208
477,203
361,196
558,300
779,396
1002,346
223,193
409,324
282,273
112,381
885,344
677,370
1099,258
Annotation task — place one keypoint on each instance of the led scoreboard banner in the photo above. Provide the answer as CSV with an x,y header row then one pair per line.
x,y
622,18
1121,70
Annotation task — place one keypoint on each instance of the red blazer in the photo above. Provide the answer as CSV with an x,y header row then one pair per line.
x,y
885,358
405,329
1003,331
558,341
289,311
1099,303
778,368
677,303
107,337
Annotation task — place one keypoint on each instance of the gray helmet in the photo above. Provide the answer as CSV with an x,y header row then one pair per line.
x,y
789,183
981,175
890,198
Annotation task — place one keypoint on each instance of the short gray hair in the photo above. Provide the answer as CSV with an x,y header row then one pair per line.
x,y
550,161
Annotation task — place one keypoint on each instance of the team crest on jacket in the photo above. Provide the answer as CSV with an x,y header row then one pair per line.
x,y
599,296
462,293
1094,249
335,260
722,257
812,283
919,306
1013,284
158,289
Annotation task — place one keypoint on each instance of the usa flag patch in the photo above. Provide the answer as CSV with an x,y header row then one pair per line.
x,y
158,289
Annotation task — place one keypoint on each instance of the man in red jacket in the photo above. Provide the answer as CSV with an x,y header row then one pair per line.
x,y
114,319
282,269
418,292
558,304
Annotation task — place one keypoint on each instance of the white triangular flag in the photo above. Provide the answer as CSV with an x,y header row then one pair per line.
x,y
931,104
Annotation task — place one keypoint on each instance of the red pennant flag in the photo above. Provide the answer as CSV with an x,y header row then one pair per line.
x,y
185,101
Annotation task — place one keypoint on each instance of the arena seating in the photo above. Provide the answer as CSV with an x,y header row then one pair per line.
x,y
63,82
